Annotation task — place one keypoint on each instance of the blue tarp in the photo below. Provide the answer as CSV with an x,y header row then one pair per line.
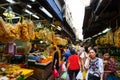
x,y
55,8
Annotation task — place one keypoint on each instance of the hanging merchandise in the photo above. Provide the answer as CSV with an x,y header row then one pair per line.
x,y
9,32
102,40
27,30
109,38
117,38
10,48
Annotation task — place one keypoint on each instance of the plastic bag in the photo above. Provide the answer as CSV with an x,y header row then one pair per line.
x,y
82,55
63,67
68,78
64,75
55,73
79,75
84,74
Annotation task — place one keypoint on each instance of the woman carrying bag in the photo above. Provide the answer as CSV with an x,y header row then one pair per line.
x,y
74,65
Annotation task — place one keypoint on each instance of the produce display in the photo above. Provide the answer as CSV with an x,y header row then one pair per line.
x,y
40,58
117,38
109,37
47,34
11,72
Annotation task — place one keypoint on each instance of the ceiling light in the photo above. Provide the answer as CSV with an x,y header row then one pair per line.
x,y
29,6
10,1
45,11
33,0
36,16
106,30
59,28
27,11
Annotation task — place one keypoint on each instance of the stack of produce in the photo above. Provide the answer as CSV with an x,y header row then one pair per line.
x,y
117,38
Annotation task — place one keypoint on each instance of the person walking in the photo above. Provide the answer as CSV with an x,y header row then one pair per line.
x,y
94,65
74,64
55,58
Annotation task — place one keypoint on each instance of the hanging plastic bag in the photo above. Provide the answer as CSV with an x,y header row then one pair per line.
x,y
55,73
82,55
63,67
84,74
79,75
68,78
64,75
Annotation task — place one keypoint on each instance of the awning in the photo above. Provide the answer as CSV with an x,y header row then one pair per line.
x,y
55,8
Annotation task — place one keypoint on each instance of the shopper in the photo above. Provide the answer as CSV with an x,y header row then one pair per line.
x,y
55,58
74,65
94,66
109,67
67,53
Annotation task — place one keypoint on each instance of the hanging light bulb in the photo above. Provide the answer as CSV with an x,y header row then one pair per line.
x,y
9,12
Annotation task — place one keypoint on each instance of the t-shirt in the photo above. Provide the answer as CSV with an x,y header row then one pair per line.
x,y
67,54
96,67
111,66
74,62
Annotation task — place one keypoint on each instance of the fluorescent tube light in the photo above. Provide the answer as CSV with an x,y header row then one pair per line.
x,y
10,1
33,0
45,11
27,11
29,6
59,28
35,16
106,30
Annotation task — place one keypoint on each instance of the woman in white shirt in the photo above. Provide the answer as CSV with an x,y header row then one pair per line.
x,y
94,65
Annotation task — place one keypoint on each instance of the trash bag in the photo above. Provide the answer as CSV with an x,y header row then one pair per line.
x,y
55,73
79,75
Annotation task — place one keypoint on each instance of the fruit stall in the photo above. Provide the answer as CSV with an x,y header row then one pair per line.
x,y
17,42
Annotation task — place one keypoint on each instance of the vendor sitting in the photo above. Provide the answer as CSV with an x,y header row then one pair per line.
x,y
34,48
